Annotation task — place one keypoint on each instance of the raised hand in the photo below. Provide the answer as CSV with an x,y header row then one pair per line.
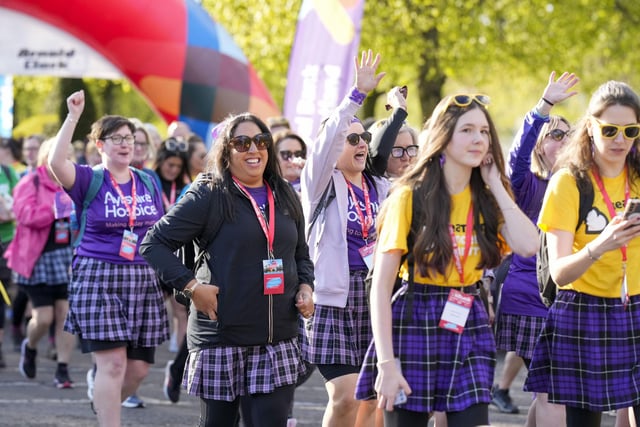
x,y
75,104
559,90
366,77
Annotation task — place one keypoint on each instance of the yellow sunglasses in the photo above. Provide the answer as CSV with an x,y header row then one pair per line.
x,y
464,100
609,130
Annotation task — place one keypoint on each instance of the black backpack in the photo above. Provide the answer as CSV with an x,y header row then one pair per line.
x,y
547,287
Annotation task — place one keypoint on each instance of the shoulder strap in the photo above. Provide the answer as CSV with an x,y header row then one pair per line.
x,y
585,189
409,255
211,229
146,180
9,175
94,186
328,195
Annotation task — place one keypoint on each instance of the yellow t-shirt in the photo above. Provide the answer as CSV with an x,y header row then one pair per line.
x,y
560,212
395,229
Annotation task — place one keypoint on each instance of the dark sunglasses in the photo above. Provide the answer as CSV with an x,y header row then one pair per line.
x,y
398,152
242,143
558,134
175,145
464,100
354,138
288,154
609,130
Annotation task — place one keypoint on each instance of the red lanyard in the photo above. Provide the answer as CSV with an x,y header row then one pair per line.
x,y
607,200
170,202
365,222
468,234
268,227
131,208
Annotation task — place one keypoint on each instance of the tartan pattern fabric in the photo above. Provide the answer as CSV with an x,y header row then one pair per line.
x,y
52,268
116,302
446,371
588,355
518,333
340,336
224,373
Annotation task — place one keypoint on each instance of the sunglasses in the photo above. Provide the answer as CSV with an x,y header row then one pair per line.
x,y
558,134
173,144
398,152
354,138
609,130
288,154
242,143
464,100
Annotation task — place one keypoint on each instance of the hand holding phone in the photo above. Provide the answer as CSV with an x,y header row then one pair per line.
x,y
632,209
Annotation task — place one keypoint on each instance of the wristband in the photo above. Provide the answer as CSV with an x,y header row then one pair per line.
x,y
547,101
357,96
71,119
591,257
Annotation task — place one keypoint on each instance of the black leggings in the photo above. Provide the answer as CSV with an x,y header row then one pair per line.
x,y
472,416
268,410
578,417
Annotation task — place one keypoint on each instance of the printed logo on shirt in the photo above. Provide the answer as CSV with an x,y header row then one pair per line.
x,y
352,215
115,209
474,249
596,221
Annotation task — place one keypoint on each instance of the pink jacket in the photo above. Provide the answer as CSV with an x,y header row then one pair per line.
x,y
33,208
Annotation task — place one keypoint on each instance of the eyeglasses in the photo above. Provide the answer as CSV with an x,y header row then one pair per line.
x,y
288,154
558,134
398,152
464,100
173,144
117,139
609,130
140,144
242,143
354,138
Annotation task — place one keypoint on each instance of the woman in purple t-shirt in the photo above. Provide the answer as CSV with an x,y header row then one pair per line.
x,y
115,303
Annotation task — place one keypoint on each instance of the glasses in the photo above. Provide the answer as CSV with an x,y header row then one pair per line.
x,y
464,100
140,144
398,152
354,138
609,130
117,139
558,134
288,154
173,144
242,143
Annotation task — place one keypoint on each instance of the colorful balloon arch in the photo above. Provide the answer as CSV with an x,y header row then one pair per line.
x,y
183,62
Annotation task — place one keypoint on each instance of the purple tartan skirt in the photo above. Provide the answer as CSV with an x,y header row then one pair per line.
x,y
519,333
116,302
588,355
446,371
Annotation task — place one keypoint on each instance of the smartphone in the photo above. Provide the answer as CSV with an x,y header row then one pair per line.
x,y
401,397
632,209
403,91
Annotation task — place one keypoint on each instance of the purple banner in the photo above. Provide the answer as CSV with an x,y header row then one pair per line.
x,y
321,64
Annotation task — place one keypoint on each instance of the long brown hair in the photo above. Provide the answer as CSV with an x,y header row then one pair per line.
x,y
433,248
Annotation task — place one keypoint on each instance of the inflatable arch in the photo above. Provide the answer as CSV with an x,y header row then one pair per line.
x,y
184,63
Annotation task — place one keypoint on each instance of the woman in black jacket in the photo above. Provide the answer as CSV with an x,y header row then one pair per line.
x,y
242,332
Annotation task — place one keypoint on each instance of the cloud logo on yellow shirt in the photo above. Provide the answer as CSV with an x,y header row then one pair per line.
x,y
596,221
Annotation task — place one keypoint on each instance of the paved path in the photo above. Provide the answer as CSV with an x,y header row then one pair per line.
x,y
37,402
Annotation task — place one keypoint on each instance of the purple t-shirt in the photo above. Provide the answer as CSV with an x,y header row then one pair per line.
x,y
354,227
107,216
259,194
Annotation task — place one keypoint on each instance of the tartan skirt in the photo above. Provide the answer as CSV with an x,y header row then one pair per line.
x,y
224,373
519,333
116,302
446,371
340,336
588,355
52,268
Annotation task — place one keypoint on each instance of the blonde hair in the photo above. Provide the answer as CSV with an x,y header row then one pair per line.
x,y
539,163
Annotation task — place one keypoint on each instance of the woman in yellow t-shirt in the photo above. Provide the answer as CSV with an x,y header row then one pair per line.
x,y
588,354
464,214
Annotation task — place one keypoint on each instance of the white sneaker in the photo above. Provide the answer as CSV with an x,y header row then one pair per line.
x,y
91,380
292,422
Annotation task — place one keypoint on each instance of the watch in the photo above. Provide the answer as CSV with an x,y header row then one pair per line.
x,y
188,292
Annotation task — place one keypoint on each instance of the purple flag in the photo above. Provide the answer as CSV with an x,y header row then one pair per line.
x,y
321,64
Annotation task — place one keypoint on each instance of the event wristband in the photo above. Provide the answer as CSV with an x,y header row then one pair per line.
x,y
357,96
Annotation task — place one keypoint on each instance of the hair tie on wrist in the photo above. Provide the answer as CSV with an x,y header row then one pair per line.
x,y
547,101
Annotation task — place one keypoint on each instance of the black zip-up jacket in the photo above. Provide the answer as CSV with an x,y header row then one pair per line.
x,y
245,315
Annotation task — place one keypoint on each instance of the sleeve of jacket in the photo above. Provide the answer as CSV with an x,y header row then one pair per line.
x,y
181,225
28,206
520,152
383,140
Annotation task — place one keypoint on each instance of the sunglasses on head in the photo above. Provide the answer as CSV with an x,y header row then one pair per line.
x,y
609,130
558,134
464,100
242,143
288,154
173,144
354,138
398,152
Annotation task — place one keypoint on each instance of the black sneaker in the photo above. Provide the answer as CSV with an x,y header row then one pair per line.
x,y
171,385
27,360
61,379
17,337
501,399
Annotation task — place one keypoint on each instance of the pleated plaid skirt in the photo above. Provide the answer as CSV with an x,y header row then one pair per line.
x,y
446,371
224,373
52,268
337,335
116,302
588,355
518,333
